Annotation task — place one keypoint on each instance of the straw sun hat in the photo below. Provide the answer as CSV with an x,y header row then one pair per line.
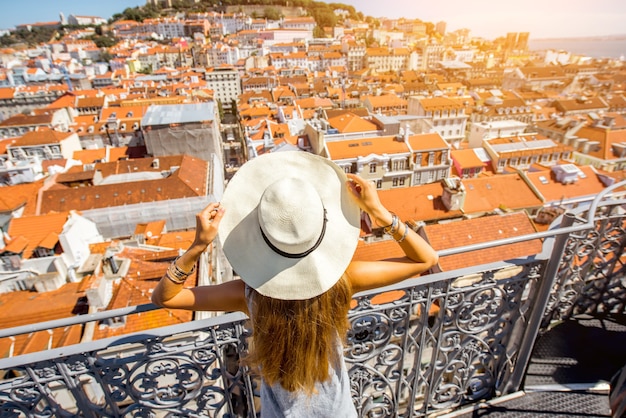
x,y
290,227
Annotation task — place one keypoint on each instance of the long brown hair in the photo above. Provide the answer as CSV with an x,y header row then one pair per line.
x,y
295,341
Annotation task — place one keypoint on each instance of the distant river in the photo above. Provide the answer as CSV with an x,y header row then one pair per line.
x,y
593,47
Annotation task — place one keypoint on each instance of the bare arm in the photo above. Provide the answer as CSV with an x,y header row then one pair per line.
x,y
419,255
229,296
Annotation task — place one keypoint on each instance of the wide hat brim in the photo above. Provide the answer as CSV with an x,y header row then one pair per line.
x,y
254,261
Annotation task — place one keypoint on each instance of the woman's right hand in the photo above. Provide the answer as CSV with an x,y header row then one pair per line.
x,y
366,196
207,223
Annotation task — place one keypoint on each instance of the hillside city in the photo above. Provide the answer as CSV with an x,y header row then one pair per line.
x,y
108,152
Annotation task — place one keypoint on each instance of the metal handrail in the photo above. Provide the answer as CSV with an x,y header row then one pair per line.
x,y
81,319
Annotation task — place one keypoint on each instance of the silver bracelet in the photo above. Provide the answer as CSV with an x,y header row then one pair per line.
x,y
406,231
173,280
393,228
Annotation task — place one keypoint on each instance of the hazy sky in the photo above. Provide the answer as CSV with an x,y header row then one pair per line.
x,y
486,18
493,18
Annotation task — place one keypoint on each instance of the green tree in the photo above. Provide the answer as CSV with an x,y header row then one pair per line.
x,y
318,32
220,109
103,41
272,13
105,55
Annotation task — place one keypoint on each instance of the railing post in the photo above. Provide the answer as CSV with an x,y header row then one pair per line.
x,y
539,307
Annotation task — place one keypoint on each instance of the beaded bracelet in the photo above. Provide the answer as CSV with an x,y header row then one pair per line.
x,y
176,275
173,280
387,226
406,231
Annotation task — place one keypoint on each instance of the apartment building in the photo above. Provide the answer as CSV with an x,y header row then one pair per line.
x,y
385,160
59,119
391,161
45,145
430,158
183,129
521,151
478,131
225,83
447,116
580,106
534,78
387,59
502,107
15,100
355,55
468,163
385,104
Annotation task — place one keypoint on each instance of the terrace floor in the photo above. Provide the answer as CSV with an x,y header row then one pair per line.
x,y
568,374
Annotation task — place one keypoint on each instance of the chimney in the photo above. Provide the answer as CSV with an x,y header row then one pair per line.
x,y
454,193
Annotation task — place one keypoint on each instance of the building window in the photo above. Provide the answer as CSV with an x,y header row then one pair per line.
x,y
398,165
431,158
372,167
402,179
379,184
418,159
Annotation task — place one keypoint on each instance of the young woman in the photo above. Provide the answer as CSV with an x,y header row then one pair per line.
x,y
289,224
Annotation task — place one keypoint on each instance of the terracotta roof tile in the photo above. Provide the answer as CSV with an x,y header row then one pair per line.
x,y
349,122
417,203
479,230
187,181
427,142
16,245
150,229
466,158
25,307
41,138
20,195
504,191
353,148
38,230
554,191
131,292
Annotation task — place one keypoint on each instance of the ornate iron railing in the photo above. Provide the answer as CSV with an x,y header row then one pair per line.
x,y
444,340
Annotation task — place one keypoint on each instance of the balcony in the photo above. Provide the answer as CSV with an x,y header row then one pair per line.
x,y
446,344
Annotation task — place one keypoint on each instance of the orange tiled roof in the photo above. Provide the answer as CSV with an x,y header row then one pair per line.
x,y
152,229
37,230
441,103
427,142
479,230
349,122
90,101
354,148
466,158
418,203
504,191
25,194
554,191
41,138
187,181
88,156
26,307
27,120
